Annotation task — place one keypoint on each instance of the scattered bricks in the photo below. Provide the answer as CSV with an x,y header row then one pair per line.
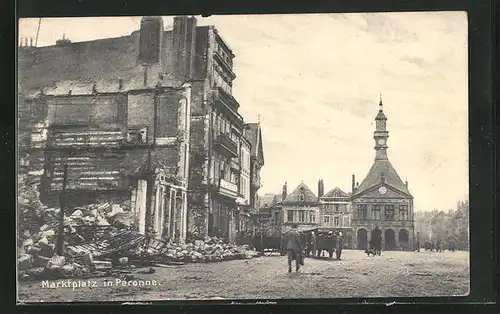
x,y
43,241
87,259
123,260
115,210
77,213
22,275
148,271
68,270
36,272
46,249
41,261
25,261
56,261
48,234
28,242
102,265
34,250
199,243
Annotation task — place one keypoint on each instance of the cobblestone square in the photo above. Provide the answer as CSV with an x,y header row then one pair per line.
x,y
393,274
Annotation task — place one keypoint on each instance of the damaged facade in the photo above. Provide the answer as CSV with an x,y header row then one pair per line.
x,y
146,120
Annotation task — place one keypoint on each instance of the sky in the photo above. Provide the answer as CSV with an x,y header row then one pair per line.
x,y
316,79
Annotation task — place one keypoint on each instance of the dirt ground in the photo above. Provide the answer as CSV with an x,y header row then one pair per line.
x,y
394,274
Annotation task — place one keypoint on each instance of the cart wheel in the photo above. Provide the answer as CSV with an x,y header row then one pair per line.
x,y
330,253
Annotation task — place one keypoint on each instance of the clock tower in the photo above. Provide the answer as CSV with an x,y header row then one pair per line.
x,y
382,204
381,134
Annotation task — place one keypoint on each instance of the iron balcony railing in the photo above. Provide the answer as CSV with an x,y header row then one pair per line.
x,y
226,145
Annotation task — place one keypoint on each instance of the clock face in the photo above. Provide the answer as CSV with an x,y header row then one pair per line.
x,y
382,190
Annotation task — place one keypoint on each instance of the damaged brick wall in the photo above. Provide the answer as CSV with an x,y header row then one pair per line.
x,y
198,204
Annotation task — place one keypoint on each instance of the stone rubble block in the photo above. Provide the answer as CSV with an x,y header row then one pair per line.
x,y
25,261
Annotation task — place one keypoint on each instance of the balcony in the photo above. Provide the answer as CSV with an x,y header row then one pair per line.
x,y
225,145
226,64
225,188
234,164
228,105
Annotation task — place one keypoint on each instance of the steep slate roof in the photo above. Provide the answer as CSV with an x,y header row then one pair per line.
x,y
309,196
336,189
254,136
374,178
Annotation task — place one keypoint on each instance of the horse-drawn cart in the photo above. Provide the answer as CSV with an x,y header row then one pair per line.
x,y
268,239
318,240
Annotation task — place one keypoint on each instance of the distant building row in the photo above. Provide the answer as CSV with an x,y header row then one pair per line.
x,y
381,203
146,120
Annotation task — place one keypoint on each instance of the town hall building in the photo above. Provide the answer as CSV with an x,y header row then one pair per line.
x,y
382,202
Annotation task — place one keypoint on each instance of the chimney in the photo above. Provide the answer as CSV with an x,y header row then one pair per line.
x,y
353,183
63,41
150,41
284,194
321,188
406,184
184,41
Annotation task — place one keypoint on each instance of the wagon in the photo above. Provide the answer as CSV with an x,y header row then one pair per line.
x,y
324,240
269,239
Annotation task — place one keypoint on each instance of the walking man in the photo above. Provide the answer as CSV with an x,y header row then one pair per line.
x,y
293,247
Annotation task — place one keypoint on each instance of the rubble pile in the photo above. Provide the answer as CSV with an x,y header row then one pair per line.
x,y
210,250
99,239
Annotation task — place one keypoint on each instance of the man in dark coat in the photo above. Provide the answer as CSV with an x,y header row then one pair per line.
x,y
293,247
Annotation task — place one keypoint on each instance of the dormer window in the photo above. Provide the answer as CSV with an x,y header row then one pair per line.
x,y
301,197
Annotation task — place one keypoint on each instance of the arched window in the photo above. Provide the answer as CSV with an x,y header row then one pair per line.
x,y
301,197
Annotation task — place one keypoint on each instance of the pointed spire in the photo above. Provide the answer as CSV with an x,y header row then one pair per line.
x,y
380,105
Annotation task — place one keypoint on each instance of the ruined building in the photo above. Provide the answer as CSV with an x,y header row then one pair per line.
x,y
382,203
146,120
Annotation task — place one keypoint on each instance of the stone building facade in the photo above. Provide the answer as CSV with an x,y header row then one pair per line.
x,y
335,212
153,85
382,202
218,135
301,207
243,200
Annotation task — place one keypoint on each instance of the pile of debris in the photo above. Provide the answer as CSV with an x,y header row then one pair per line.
x,y
207,251
88,224
99,239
